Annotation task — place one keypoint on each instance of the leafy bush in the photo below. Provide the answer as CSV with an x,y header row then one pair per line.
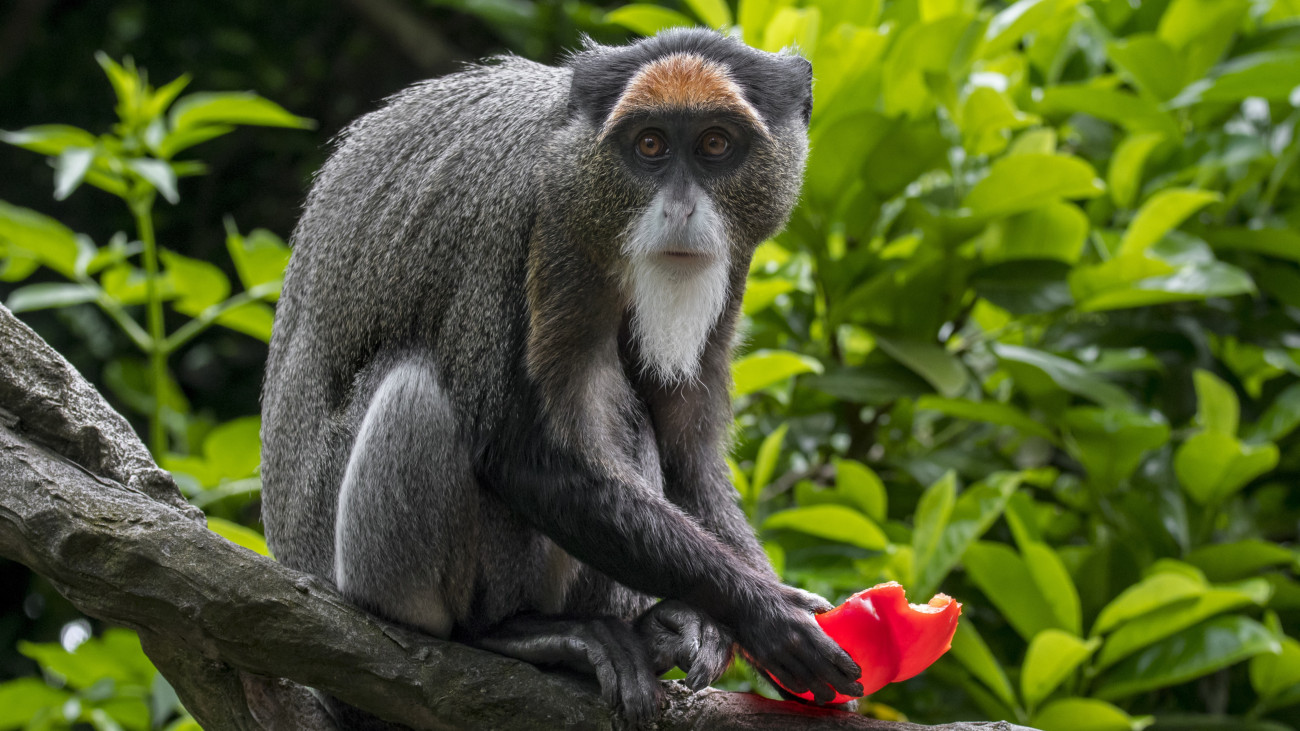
x,y
1029,339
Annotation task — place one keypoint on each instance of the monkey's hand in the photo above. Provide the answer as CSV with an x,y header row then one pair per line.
x,y
781,637
677,634
604,646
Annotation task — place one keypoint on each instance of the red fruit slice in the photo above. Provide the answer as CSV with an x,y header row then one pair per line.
x,y
890,639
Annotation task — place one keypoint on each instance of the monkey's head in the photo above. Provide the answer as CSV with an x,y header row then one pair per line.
x,y
691,147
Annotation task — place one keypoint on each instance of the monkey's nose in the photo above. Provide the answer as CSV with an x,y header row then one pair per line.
x,y
679,209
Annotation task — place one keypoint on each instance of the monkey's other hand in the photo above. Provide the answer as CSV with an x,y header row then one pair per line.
x,y
677,634
615,654
605,646
783,639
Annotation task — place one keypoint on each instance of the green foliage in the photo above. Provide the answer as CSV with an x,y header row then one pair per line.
x,y
135,163
104,683
1045,264
1028,339
108,683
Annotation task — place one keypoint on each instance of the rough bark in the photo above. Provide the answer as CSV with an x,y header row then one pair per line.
x,y
241,637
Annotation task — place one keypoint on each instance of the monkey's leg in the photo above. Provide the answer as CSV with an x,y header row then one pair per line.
x,y
418,541
401,513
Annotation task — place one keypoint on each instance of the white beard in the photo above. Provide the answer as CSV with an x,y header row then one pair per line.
x,y
676,303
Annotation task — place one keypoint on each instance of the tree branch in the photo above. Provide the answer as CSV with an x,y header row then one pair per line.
x,y
236,633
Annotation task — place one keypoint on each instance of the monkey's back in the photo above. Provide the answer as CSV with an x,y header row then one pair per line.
x,y
414,240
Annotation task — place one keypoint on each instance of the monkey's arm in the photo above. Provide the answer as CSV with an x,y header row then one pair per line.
x,y
608,519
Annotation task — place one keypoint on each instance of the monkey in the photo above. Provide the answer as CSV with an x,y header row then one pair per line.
x,y
497,391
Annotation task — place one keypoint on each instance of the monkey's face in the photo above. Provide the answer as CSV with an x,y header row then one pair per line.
x,y
697,157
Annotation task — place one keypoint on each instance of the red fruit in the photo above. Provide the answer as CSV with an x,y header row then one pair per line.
x,y
890,639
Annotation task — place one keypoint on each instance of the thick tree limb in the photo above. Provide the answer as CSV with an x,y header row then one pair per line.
x,y
239,635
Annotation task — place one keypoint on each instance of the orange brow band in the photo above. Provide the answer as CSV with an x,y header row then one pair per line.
x,y
682,81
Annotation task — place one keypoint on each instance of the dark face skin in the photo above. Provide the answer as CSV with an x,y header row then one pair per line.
x,y
685,154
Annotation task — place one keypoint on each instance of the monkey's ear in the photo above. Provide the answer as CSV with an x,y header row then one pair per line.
x,y
805,69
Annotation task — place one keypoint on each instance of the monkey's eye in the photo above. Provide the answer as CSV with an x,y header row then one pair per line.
x,y
714,143
651,144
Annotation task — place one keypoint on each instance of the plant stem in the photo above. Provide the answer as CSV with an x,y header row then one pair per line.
x,y
189,330
142,208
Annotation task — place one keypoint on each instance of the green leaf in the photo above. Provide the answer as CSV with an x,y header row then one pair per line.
x,y
1213,466
197,284
235,447
1054,231
977,508
761,293
1198,651
1031,367
1217,408
1150,63
227,108
1113,285
714,13
1124,177
987,115
239,535
768,453
259,257
793,28
1149,594
831,522
1279,243
1051,657
1083,714
1174,617
1161,214
754,15
158,174
1241,559
969,649
70,169
932,513
1133,113
992,412
116,656
1110,443
860,484
765,368
941,369
1270,675
646,19
184,139
42,296
251,318
1268,74
1055,584
49,241
22,699
1013,22
1280,418
738,480
1005,579
49,139
1021,182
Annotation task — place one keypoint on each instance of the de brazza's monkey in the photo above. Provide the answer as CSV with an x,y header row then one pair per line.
x,y
498,385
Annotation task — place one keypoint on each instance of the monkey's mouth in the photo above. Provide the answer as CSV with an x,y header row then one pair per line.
x,y
687,255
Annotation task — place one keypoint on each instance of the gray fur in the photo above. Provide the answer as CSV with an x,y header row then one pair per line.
x,y
460,425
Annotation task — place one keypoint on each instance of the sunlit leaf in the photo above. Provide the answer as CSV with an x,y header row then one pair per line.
x,y
1051,657
1203,649
832,522
239,535
1021,182
647,19
759,370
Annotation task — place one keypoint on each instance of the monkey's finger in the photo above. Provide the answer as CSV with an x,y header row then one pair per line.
x,y
813,602
716,650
